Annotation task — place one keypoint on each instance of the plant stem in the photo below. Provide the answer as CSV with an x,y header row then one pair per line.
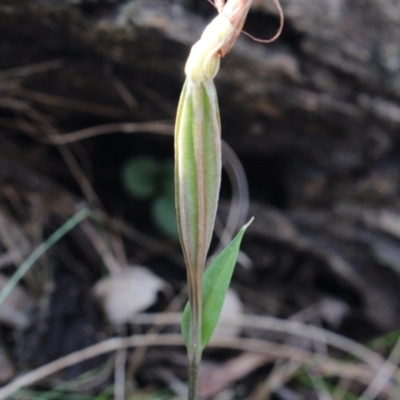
x,y
195,346
193,380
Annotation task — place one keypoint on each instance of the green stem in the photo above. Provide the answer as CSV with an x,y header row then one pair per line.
x,y
193,381
195,348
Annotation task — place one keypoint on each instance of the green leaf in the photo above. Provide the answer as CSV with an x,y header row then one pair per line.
x,y
139,176
216,282
164,215
167,179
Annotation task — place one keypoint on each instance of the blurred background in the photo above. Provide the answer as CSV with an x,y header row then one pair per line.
x,y
89,90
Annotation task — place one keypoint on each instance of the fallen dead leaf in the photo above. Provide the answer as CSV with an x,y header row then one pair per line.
x,y
125,294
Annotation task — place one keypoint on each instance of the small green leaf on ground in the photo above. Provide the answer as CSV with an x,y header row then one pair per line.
x,y
164,216
168,179
140,175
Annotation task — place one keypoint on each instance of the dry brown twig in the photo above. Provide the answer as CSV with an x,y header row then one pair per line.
x,y
138,355
283,370
279,376
121,127
293,328
362,373
71,104
30,69
383,377
215,378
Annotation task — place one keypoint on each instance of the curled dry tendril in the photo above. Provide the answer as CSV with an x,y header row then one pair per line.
x,y
219,5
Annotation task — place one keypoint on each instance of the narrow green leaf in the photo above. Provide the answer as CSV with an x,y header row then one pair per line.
x,y
216,282
40,250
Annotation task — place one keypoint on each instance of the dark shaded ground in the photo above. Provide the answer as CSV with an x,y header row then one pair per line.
x,y
313,119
